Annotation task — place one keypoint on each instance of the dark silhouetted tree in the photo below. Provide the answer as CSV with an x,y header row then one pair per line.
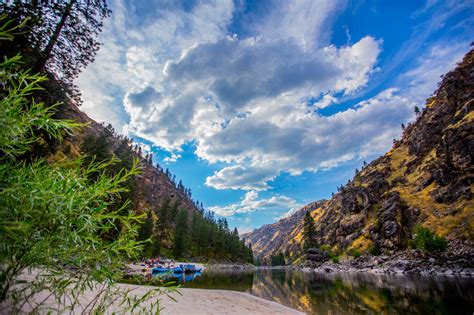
x,y
309,231
181,232
62,35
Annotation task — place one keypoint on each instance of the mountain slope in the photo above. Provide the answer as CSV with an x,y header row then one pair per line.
x,y
282,236
425,179
151,186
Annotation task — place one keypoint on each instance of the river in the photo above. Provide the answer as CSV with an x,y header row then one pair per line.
x,y
316,293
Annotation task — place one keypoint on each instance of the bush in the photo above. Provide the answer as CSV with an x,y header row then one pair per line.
x,y
54,219
374,250
427,240
354,253
334,255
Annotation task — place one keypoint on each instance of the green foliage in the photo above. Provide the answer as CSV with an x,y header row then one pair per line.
x,y
278,259
325,247
309,231
333,254
20,126
354,253
427,240
374,250
198,235
55,220
180,235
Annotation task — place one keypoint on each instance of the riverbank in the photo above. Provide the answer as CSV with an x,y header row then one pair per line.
x,y
405,262
183,301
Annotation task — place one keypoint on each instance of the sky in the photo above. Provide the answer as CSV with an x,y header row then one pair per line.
x,y
261,107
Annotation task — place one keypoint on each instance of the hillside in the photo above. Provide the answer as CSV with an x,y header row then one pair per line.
x,y
425,179
177,225
152,185
282,236
174,225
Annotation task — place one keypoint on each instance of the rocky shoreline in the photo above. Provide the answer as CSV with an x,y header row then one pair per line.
x,y
451,263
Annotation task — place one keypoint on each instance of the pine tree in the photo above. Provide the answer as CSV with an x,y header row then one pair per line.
x,y
146,228
309,231
62,35
278,259
181,232
416,109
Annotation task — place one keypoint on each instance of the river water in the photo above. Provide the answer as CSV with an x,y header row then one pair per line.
x,y
316,293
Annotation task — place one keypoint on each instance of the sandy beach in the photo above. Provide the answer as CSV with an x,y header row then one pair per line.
x,y
200,301
193,301
186,301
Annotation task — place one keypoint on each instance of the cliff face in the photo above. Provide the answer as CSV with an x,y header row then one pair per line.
x,y
425,179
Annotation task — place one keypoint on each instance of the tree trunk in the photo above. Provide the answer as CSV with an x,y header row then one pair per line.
x,y
46,53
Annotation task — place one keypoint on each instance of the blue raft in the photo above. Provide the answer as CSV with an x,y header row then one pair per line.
x,y
180,269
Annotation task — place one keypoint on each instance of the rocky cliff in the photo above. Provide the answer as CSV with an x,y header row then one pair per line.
x,y
425,179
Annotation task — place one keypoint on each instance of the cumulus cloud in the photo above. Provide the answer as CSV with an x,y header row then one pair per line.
x,y
138,40
242,107
251,203
215,85
182,78
282,140
240,177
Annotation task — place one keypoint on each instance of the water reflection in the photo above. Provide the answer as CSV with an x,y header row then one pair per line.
x,y
181,278
348,293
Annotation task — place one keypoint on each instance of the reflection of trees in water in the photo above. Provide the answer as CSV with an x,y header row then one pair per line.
x,y
345,293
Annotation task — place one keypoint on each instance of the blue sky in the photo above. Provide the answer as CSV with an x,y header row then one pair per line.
x,y
261,107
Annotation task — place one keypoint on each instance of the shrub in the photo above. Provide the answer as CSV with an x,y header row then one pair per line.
x,y
427,240
54,219
326,248
354,253
374,250
334,255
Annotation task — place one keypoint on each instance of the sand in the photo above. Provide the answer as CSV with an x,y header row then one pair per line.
x,y
200,301
188,301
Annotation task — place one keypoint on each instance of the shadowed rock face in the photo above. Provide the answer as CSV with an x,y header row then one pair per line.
x,y
426,178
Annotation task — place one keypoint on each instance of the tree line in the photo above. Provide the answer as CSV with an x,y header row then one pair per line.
x,y
172,230
176,232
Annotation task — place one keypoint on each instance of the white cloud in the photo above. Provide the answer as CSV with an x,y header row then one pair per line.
x,y
138,40
251,203
216,85
294,140
438,60
172,158
181,78
302,20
